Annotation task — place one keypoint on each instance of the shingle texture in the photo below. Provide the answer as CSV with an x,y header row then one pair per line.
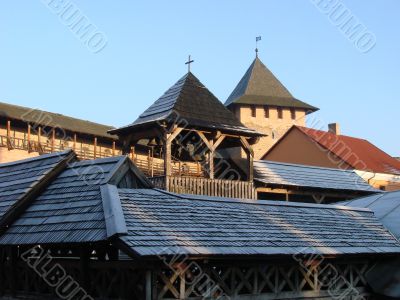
x,y
386,208
160,223
18,178
259,86
358,153
70,209
193,105
291,175
49,119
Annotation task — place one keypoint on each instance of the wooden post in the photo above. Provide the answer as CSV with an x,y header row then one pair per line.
x,y
84,269
251,166
167,157
9,135
133,153
148,285
53,137
39,139
113,148
250,157
29,138
95,148
152,162
74,145
211,163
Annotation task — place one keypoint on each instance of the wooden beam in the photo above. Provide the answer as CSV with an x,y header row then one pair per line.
x,y
113,148
204,139
174,134
218,142
246,145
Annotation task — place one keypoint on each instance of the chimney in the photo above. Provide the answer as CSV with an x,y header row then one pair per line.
x,y
334,128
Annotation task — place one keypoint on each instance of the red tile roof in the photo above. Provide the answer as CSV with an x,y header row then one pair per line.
x,y
358,153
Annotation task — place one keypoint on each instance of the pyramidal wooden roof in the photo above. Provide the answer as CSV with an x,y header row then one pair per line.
x,y
190,101
259,86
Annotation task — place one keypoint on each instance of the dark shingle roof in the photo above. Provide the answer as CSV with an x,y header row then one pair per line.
x,y
21,177
259,86
80,205
191,102
284,174
386,208
49,119
161,223
70,210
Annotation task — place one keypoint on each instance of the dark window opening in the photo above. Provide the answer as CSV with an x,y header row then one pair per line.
x,y
280,113
293,113
253,111
266,112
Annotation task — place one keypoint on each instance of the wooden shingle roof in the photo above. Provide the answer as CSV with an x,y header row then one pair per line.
x,y
161,223
54,120
294,175
84,204
189,101
259,86
70,209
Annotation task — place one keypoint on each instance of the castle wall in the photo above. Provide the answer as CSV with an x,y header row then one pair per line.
x,y
270,124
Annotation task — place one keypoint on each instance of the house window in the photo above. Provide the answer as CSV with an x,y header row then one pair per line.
x,y
266,112
280,113
253,111
293,113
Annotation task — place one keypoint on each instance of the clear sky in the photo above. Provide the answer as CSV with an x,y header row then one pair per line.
x,y
44,64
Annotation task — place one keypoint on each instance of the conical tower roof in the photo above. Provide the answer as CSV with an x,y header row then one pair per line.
x,y
259,86
190,101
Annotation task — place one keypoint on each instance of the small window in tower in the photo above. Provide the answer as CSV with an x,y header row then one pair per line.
x,y
253,111
293,113
280,113
266,112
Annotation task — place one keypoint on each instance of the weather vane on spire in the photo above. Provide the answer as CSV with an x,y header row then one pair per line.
x,y
258,38
189,62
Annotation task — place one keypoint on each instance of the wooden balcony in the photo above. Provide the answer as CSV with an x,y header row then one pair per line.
x,y
205,186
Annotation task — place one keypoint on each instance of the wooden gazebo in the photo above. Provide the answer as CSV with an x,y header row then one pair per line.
x,y
196,143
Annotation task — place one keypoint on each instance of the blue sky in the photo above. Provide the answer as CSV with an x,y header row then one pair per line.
x,y
45,65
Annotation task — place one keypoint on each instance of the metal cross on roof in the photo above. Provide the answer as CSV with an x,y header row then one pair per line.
x,y
188,63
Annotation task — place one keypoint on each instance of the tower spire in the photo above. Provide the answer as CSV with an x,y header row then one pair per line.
x,y
258,38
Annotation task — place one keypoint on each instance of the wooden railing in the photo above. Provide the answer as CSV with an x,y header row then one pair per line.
x,y
155,167
42,148
205,186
